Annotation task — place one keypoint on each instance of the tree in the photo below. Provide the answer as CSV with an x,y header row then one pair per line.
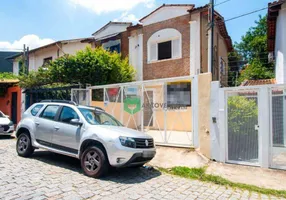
x,y
90,66
253,51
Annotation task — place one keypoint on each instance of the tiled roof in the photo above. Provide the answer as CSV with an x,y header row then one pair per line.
x,y
273,12
258,82
9,81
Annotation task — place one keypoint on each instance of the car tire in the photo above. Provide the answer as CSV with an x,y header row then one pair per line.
x,y
24,145
94,162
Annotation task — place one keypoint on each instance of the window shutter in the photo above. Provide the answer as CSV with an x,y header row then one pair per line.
x,y
176,48
153,52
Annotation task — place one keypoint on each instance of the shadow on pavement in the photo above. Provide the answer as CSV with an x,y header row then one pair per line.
x,y
119,175
6,137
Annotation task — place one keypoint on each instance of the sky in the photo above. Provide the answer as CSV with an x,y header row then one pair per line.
x,y
39,22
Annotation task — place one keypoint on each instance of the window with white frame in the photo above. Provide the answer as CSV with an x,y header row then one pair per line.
x,y
165,44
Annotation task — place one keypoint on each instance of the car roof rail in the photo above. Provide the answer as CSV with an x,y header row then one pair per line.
x,y
96,107
99,108
58,101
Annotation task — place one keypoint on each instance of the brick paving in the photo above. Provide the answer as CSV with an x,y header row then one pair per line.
x,y
51,176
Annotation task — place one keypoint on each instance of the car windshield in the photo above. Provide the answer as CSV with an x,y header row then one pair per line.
x,y
1,115
95,117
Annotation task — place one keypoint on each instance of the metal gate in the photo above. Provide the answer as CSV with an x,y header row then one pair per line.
x,y
251,126
81,96
278,127
161,108
35,95
242,127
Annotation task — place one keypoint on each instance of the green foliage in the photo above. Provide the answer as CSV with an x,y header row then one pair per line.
x,y
89,66
256,70
253,50
7,75
35,79
201,175
241,111
254,43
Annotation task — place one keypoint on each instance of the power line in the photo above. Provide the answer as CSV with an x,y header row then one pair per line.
x,y
222,2
249,13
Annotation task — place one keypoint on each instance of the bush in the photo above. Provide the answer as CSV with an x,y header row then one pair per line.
x,y
90,66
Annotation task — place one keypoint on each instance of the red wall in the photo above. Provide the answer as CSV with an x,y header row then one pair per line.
x,y
6,102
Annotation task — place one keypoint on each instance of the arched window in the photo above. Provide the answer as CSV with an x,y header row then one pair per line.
x,y
164,44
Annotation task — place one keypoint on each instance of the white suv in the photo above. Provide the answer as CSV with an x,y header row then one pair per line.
x,y
86,133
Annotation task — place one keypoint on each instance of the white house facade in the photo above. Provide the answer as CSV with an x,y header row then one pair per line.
x,y
277,38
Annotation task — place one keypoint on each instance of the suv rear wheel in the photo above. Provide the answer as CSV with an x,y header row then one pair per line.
x,y
93,162
24,145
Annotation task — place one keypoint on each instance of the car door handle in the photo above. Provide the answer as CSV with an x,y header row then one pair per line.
x,y
56,128
37,123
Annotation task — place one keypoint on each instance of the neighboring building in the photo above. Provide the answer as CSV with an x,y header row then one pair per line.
x,y
6,65
39,56
276,24
10,93
113,37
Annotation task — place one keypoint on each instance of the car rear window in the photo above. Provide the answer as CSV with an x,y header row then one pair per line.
x,y
36,109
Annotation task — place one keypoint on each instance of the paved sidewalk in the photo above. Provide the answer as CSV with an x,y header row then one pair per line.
x,y
51,176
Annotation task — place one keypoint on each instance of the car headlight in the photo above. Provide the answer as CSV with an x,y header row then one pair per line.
x,y
127,142
11,123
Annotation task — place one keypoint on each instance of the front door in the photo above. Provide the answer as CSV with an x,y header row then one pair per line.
x,y
66,136
44,125
14,107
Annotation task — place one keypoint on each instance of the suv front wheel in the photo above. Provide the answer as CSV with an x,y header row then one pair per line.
x,y
93,162
24,145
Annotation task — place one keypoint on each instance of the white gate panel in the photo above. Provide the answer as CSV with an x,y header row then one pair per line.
x,y
81,96
278,127
242,127
151,107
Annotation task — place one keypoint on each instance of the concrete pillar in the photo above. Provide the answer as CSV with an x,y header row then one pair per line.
x,y
214,121
204,94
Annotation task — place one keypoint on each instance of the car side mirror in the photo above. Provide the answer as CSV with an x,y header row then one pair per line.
x,y
76,122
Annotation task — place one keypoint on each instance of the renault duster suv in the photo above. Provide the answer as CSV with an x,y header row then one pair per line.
x,y
86,133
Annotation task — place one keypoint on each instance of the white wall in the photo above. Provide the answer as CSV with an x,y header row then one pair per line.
x,y
111,29
16,67
36,59
136,55
165,13
73,47
280,46
195,44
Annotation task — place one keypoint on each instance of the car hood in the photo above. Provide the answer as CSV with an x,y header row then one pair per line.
x,y
4,121
122,131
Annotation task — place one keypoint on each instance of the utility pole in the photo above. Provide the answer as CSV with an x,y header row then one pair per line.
x,y
212,36
26,59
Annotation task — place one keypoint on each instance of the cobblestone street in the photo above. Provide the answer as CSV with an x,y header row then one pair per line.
x,y
50,176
